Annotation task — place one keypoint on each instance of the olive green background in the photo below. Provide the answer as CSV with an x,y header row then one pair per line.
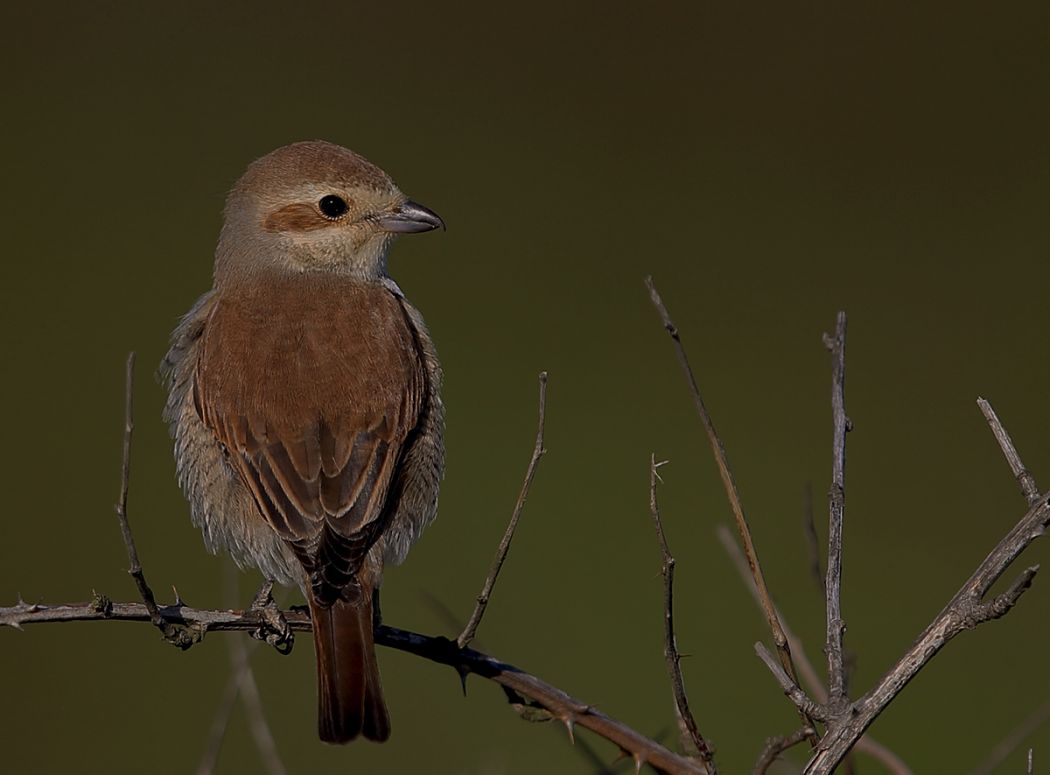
x,y
768,163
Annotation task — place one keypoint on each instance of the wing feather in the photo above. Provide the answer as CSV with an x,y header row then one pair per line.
x,y
314,410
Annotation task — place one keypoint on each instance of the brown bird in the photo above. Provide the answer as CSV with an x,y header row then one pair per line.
x,y
304,399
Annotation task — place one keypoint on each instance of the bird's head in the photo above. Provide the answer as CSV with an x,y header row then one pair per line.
x,y
315,206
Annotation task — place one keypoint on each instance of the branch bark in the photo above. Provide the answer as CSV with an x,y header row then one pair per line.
x,y
836,506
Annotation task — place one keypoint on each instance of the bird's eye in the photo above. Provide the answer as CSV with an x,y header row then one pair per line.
x,y
332,206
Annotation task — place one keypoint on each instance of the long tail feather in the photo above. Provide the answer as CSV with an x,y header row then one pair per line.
x,y
349,689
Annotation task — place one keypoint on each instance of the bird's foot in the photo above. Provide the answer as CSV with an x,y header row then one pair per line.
x,y
274,628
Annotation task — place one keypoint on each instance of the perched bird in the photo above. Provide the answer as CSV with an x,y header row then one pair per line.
x,y
304,400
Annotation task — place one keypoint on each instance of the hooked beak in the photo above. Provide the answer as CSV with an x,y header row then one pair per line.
x,y
409,218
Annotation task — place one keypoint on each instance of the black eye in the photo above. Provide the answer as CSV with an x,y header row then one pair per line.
x,y
332,206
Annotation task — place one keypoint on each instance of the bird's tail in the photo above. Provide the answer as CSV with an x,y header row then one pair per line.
x,y
349,689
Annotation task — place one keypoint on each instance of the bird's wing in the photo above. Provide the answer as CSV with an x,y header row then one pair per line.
x,y
314,413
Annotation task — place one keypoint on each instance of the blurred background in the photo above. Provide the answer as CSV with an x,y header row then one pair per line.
x,y
768,163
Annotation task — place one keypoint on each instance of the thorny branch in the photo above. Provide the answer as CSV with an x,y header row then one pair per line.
x,y
433,648
122,502
845,721
538,451
718,448
184,626
691,736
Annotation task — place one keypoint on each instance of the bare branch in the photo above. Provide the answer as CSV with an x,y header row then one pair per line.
x,y
776,746
718,448
538,451
1024,477
435,649
998,755
691,732
810,678
964,611
836,505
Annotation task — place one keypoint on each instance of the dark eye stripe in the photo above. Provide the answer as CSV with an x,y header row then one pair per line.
x,y
332,206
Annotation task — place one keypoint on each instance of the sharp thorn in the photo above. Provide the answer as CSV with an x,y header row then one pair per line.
x,y
569,724
463,673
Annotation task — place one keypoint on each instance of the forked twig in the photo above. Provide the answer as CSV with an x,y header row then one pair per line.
x,y
718,448
178,636
867,745
686,721
776,746
966,610
538,451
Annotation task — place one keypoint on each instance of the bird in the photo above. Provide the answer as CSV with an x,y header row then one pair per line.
x,y
304,399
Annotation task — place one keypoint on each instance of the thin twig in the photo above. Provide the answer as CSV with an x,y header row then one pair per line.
x,y
964,611
538,450
435,649
718,448
792,690
837,689
692,738
1010,743
1023,476
122,503
175,635
810,679
775,746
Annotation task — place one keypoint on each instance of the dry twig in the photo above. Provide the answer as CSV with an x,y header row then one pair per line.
x,y
538,451
867,745
692,738
718,448
837,692
965,611
1023,476
178,636
776,746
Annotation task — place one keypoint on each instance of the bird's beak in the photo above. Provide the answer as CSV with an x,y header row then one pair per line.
x,y
409,218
